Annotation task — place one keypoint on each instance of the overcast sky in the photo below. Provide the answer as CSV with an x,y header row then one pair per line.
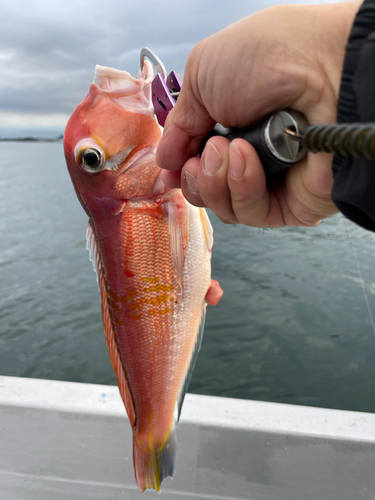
x,y
48,49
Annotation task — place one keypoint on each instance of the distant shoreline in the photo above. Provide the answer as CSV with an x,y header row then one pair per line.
x,y
31,139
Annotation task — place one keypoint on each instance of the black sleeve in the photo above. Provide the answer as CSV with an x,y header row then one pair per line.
x,y
354,179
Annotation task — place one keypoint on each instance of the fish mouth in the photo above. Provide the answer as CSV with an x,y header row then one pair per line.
x,y
133,94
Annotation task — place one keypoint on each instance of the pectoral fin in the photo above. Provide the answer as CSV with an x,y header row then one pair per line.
x,y
207,228
179,226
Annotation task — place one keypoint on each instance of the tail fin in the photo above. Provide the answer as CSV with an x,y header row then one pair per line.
x,y
153,464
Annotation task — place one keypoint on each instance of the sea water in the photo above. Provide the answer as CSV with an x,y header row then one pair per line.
x,y
295,325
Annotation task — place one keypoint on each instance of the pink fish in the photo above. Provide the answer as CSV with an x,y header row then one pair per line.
x,y
151,251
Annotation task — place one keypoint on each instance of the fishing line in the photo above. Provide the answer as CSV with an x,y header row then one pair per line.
x,y
362,281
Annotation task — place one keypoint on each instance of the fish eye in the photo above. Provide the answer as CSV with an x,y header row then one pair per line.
x,y
92,160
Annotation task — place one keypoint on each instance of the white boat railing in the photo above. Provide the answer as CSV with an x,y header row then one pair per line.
x,y
63,440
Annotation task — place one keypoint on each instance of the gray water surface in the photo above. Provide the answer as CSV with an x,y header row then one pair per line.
x,y
294,325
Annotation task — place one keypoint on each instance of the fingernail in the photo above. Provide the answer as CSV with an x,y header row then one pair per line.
x,y
191,182
212,159
237,162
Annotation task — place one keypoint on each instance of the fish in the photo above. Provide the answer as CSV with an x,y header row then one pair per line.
x,y
151,251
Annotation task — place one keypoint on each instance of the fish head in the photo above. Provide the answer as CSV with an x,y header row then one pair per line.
x,y
110,140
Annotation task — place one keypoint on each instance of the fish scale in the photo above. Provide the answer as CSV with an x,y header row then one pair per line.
x,y
140,339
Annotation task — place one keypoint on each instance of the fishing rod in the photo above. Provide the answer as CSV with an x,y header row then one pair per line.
x,y
282,139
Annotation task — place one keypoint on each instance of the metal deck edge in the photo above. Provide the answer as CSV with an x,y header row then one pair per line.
x,y
256,416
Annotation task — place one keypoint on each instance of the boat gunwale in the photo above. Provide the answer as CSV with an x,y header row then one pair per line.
x,y
198,410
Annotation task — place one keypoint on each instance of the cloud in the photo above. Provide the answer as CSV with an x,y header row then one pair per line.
x,y
48,50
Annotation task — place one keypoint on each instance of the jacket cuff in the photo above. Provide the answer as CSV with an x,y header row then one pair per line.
x,y
354,178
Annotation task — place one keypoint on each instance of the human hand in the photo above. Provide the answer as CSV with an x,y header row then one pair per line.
x,y
284,57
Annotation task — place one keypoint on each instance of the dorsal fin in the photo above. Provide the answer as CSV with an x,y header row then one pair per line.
x,y
107,324
193,359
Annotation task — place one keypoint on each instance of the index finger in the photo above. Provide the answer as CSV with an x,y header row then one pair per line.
x,y
186,125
